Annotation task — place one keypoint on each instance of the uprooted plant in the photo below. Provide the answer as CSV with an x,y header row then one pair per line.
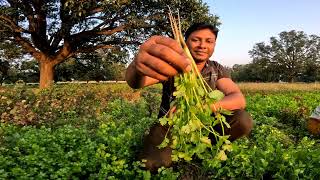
x,y
193,120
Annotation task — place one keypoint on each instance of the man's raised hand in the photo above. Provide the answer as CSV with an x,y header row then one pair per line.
x,y
161,57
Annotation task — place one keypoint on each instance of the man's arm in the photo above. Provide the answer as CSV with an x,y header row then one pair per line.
x,y
233,99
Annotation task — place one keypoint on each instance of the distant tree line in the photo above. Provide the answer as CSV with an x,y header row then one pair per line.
x,y
292,57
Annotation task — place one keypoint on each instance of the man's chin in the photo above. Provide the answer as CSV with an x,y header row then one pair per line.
x,y
199,60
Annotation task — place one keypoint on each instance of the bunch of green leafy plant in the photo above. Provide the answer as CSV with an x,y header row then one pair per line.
x,y
192,122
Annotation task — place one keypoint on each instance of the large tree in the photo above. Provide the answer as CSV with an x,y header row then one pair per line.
x,y
287,57
54,30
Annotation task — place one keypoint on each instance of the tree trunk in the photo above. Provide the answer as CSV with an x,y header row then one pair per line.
x,y
46,74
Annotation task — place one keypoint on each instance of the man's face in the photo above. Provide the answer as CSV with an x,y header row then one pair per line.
x,y
201,44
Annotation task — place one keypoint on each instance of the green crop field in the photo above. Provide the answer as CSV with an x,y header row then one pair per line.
x,y
91,131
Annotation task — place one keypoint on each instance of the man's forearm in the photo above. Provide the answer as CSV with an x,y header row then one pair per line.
x,y
230,102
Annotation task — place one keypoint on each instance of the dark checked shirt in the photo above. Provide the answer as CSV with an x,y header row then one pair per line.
x,y
211,72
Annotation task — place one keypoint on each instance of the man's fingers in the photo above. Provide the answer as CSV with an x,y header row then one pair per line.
x,y
173,44
180,62
161,57
160,66
170,51
147,71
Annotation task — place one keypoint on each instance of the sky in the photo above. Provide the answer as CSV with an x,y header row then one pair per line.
x,y
247,22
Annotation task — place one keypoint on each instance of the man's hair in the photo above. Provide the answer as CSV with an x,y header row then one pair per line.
x,y
200,26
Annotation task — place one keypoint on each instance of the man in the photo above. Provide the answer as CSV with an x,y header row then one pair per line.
x,y
161,58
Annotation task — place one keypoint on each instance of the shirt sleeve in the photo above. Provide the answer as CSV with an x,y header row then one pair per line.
x,y
222,71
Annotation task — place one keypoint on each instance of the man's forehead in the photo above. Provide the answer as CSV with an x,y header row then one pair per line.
x,y
203,33
203,36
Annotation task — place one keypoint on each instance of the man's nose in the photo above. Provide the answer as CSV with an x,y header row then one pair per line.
x,y
202,45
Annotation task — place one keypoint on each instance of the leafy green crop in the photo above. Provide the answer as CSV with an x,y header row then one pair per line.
x,y
106,145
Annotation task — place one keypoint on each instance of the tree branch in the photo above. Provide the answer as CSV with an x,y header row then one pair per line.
x,y
38,23
107,31
118,42
63,53
27,46
12,25
89,49
105,45
96,10
111,21
66,25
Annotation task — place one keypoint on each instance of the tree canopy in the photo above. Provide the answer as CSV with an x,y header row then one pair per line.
x,y
54,30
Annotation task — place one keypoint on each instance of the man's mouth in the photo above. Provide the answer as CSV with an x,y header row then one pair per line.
x,y
200,52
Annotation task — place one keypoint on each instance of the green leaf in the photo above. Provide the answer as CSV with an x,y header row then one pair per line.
x,y
164,143
216,94
222,156
178,94
174,157
227,147
195,124
206,140
222,119
187,158
185,129
194,137
226,112
174,142
163,121
200,91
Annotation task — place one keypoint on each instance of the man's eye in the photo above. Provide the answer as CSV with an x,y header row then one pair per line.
x,y
194,40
